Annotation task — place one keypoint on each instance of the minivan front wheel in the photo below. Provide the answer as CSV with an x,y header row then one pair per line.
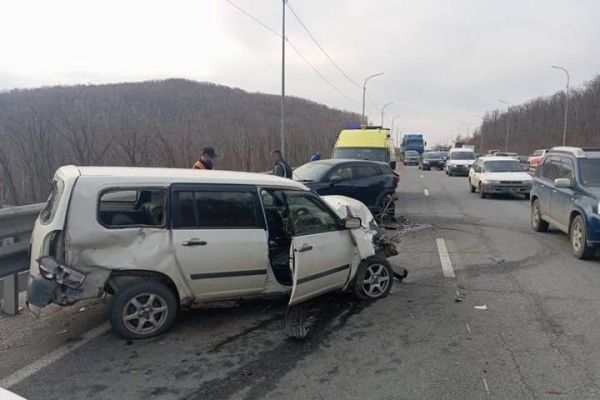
x,y
143,309
374,279
578,236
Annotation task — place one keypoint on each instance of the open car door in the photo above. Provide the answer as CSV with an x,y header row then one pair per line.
x,y
321,250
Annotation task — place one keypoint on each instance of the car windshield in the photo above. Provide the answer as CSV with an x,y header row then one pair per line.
x,y
503,166
462,155
432,155
589,170
359,153
311,172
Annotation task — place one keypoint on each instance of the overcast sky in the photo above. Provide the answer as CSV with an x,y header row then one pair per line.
x,y
444,61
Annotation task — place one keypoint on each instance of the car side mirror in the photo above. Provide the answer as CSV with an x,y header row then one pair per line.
x,y
393,165
562,183
352,223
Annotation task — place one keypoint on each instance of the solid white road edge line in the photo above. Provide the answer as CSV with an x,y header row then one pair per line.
x,y
445,258
426,192
52,357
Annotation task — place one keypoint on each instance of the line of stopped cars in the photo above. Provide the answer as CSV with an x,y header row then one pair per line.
x,y
562,185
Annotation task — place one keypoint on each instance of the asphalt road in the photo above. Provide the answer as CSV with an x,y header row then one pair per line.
x,y
539,337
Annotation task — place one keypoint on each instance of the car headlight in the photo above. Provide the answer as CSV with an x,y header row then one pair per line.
x,y
425,162
488,182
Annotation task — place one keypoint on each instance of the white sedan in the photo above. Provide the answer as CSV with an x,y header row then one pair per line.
x,y
499,175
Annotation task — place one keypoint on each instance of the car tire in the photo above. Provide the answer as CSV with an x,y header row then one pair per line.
x,y
537,223
150,305
449,173
578,238
385,209
373,279
482,193
472,187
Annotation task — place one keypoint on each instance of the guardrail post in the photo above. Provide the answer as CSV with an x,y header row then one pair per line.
x,y
10,302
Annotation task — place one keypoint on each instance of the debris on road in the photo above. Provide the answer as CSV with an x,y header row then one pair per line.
x,y
483,307
555,392
497,260
61,332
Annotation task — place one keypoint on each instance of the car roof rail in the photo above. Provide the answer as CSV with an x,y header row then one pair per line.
x,y
576,151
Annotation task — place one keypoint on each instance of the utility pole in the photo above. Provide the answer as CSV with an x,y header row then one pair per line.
x,y
383,110
508,106
364,93
481,133
283,2
566,103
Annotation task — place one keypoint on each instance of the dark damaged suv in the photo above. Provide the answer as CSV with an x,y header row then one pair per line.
x,y
566,194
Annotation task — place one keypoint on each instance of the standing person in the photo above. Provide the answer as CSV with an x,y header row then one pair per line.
x,y
280,167
315,157
206,159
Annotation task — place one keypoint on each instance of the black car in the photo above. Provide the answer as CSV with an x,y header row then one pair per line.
x,y
372,182
433,159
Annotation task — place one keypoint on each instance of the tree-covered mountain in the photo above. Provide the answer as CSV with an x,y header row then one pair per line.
x,y
155,123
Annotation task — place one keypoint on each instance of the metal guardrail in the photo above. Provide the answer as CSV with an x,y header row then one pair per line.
x,y
16,225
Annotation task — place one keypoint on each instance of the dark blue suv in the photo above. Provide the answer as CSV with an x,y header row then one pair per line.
x,y
566,194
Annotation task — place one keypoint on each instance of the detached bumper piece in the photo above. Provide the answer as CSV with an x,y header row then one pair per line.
x,y
56,283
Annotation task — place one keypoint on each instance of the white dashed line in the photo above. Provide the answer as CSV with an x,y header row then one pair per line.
x,y
421,176
426,192
487,388
468,327
447,268
52,357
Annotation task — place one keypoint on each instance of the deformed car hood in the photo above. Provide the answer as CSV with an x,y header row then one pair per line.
x,y
363,236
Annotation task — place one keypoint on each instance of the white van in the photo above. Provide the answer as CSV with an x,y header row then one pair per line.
x,y
157,239
460,160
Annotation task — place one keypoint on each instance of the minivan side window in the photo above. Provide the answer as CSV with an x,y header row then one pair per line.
x,y
550,169
132,207
49,210
216,209
309,215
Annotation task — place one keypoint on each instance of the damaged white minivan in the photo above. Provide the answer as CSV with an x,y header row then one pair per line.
x,y
155,240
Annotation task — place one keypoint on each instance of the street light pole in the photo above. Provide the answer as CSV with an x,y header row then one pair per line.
x,y
283,2
566,102
481,133
394,118
364,93
508,105
383,110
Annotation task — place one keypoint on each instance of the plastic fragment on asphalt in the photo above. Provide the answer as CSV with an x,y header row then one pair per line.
x,y
82,309
61,332
556,392
483,307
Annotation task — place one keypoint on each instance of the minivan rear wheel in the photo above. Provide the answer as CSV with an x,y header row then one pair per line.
x,y
143,309
537,223
578,238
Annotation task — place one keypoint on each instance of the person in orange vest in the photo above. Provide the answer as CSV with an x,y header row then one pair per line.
x,y
206,159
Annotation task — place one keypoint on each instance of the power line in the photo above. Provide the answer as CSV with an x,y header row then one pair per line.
x,y
298,52
314,39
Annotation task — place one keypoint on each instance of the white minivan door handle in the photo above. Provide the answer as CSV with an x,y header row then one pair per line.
x,y
304,248
194,242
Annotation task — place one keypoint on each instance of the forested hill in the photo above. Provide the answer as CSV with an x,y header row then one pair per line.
x,y
154,123
539,123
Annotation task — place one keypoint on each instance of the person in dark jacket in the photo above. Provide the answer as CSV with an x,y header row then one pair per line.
x,y
206,159
280,167
315,157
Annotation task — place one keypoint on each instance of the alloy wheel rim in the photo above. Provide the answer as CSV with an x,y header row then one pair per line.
x,y
577,236
376,281
535,215
145,313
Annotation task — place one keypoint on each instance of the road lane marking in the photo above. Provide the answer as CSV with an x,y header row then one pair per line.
x,y
52,357
468,327
426,192
447,268
421,176
487,388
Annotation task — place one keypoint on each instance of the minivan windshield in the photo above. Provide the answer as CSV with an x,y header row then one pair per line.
x,y
311,172
361,153
503,166
462,155
589,170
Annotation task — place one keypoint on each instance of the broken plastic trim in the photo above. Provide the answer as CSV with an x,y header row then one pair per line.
x,y
52,270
